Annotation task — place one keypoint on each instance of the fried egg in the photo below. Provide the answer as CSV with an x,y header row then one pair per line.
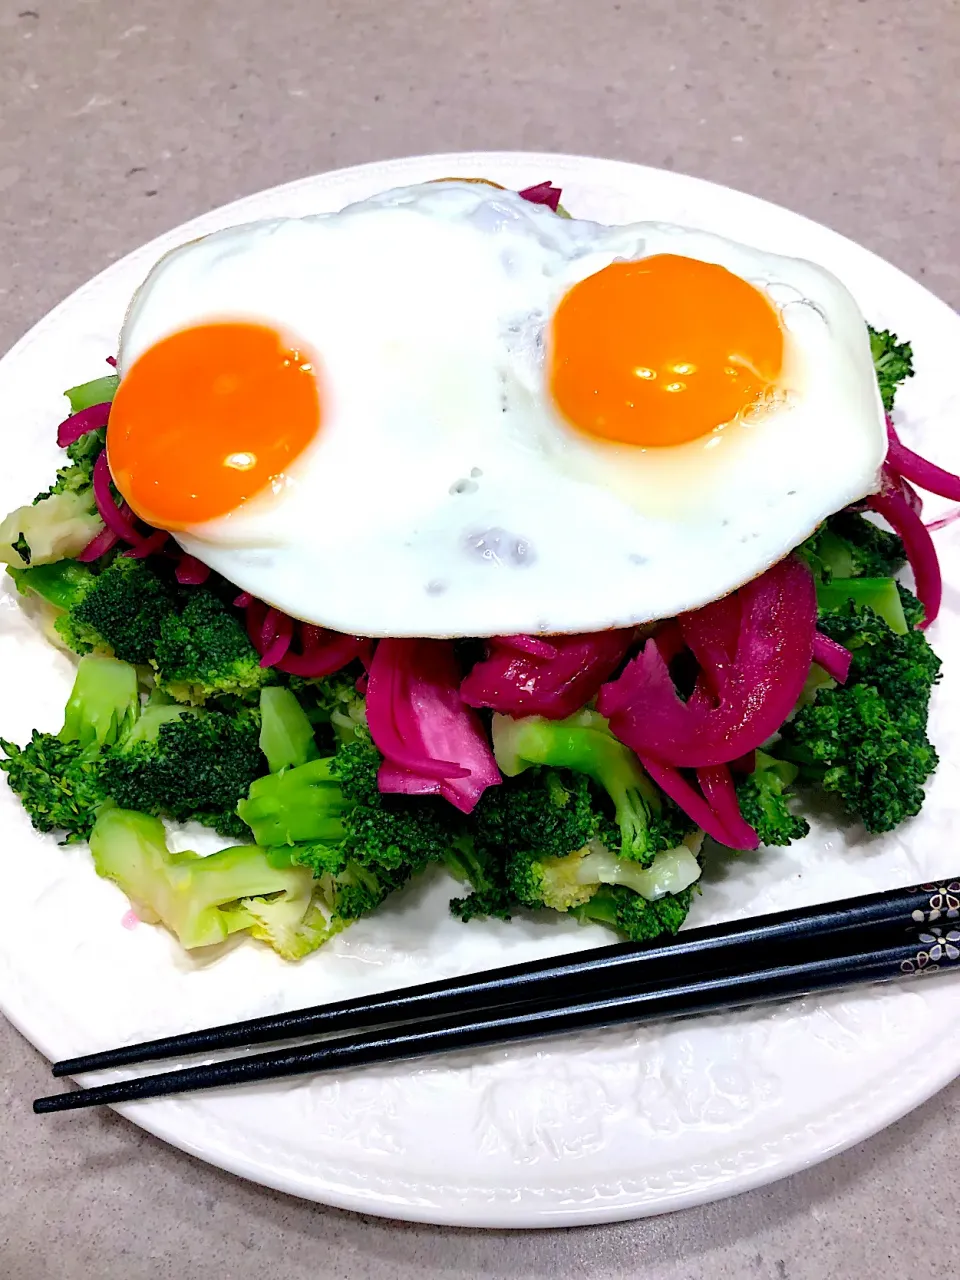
x,y
445,411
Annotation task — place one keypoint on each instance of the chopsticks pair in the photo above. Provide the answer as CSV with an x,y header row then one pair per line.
x,y
875,938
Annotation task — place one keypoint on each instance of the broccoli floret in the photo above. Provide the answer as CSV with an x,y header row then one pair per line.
x,y
849,742
893,362
360,844
59,779
297,806
78,476
58,783
634,917
286,734
55,526
848,545
104,704
570,881
187,764
335,801
583,743
763,801
867,741
345,889
119,611
485,873
200,899
882,595
203,652
902,668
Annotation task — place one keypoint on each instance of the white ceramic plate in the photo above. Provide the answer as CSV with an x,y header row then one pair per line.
x,y
587,1129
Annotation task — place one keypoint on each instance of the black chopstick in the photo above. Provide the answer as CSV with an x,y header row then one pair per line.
x,y
711,948
697,995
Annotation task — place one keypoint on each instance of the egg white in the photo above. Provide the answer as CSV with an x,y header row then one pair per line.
x,y
444,495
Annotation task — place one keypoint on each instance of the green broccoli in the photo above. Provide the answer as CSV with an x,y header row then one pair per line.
x,y
187,764
202,651
346,890
200,899
58,783
893,362
562,883
119,610
848,545
880,594
56,525
634,917
763,801
584,744
59,779
286,734
867,741
97,391
336,801
104,704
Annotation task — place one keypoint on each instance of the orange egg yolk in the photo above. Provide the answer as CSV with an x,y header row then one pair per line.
x,y
208,418
661,351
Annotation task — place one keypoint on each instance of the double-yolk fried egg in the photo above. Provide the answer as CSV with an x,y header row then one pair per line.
x,y
445,411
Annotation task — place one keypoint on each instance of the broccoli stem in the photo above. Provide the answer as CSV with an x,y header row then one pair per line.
x,y
880,594
97,391
182,890
286,734
104,703
305,804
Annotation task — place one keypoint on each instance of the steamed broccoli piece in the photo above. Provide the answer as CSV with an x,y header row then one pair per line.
x,y
902,668
570,881
849,742
847,545
187,764
118,611
334,803
867,741
295,806
286,734
59,783
77,477
584,744
97,391
763,801
485,873
203,652
199,899
59,778
636,919
56,525
880,594
104,704
893,362
344,889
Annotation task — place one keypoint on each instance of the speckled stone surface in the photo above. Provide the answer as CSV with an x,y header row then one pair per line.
x,y
121,118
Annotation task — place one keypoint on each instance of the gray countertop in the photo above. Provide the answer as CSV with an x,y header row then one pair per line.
x,y
120,119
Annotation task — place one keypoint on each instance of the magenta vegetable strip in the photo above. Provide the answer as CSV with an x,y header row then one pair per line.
x,y
279,626
191,572
716,782
692,803
759,687
78,424
913,467
832,656
543,193
556,685
119,519
431,741
104,541
919,547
